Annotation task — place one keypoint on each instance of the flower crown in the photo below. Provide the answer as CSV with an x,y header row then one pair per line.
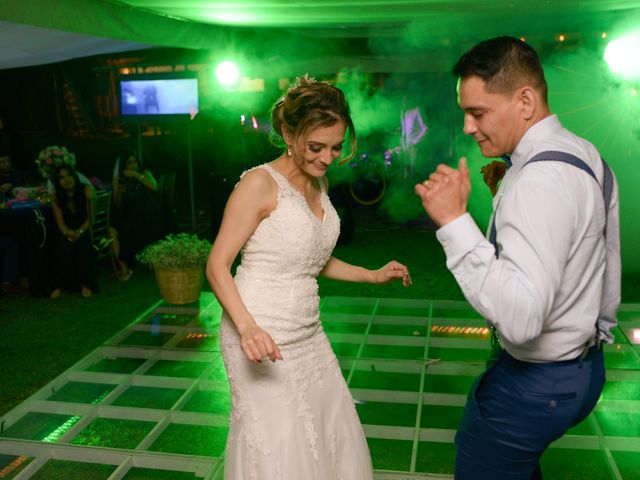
x,y
52,157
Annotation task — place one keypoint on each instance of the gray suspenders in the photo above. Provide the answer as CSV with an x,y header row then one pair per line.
x,y
607,184
607,189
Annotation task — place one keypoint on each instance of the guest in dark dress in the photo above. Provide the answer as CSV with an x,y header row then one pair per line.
x,y
9,178
75,259
137,217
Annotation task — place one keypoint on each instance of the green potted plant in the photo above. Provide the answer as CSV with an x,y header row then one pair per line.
x,y
177,261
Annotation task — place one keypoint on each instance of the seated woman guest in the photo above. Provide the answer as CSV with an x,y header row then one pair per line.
x,y
137,217
9,177
75,261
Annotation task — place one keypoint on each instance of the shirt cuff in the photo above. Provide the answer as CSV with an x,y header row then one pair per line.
x,y
459,236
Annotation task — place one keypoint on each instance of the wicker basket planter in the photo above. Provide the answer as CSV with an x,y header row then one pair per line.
x,y
179,285
178,261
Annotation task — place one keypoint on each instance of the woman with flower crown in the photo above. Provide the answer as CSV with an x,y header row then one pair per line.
x,y
292,415
52,157
75,261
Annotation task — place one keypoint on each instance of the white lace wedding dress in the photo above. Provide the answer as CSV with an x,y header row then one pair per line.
x,y
293,419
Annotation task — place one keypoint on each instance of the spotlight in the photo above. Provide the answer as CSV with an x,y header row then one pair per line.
x,y
621,56
227,73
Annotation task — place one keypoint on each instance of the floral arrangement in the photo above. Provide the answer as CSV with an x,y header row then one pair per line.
x,y
182,250
53,157
22,194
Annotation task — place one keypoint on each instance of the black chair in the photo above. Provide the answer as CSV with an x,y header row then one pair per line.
x,y
101,237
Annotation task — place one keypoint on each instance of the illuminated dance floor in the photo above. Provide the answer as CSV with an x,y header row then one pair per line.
x,y
153,401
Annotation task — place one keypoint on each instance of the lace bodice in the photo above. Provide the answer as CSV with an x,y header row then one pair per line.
x,y
281,260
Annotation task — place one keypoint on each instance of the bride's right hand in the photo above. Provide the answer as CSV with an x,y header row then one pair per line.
x,y
258,344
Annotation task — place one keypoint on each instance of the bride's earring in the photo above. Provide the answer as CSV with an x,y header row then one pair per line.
x,y
289,150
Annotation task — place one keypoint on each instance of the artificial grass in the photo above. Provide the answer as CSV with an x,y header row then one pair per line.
x,y
192,440
113,433
137,473
41,338
390,454
64,470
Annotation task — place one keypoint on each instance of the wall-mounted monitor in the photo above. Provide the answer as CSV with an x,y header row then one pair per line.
x,y
154,96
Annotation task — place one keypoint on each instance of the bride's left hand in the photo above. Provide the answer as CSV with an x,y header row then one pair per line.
x,y
392,271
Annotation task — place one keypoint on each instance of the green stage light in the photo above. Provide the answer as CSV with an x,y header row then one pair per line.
x,y
227,73
622,56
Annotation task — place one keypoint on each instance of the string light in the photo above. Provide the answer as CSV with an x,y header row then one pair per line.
x,y
12,467
561,38
603,35
52,437
467,331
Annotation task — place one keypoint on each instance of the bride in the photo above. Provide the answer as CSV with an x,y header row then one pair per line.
x,y
292,414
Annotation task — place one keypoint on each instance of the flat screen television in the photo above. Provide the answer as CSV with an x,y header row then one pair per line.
x,y
154,96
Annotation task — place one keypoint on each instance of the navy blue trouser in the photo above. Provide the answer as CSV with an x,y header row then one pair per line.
x,y
516,409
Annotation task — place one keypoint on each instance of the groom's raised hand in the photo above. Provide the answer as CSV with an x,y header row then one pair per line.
x,y
445,194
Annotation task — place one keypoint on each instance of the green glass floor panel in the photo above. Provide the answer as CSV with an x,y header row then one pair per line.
x,y
619,335
147,339
113,433
625,315
435,457
448,383
210,321
628,463
206,401
459,355
621,390
357,309
381,413
116,365
349,350
200,341
440,416
218,373
619,424
81,392
583,428
40,426
392,351
573,464
403,311
67,470
173,368
12,465
448,312
149,397
623,359
192,440
390,454
170,319
403,330
137,473
409,382
343,327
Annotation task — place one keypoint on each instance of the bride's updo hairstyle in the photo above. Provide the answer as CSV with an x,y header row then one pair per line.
x,y
308,105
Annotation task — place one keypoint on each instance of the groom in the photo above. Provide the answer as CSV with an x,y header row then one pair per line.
x,y
547,279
